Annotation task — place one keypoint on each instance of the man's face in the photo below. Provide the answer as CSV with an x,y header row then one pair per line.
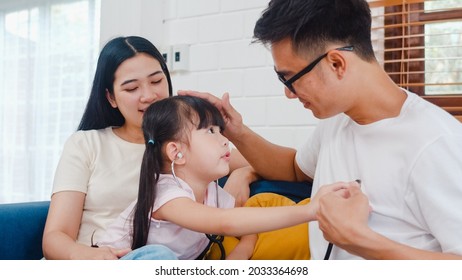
x,y
312,88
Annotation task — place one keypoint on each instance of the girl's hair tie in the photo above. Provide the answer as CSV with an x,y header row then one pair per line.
x,y
151,141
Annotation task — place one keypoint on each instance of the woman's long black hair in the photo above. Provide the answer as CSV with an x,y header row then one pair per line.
x,y
167,120
99,113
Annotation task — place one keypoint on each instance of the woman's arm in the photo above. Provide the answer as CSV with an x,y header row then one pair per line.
x,y
62,227
237,160
238,184
244,249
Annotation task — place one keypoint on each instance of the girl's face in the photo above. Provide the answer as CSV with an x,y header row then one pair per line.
x,y
139,82
208,154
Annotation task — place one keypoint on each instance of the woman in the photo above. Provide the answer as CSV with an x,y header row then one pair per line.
x,y
97,176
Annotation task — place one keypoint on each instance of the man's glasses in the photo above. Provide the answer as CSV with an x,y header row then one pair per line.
x,y
288,83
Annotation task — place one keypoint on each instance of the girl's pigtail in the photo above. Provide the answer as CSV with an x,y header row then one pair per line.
x,y
149,175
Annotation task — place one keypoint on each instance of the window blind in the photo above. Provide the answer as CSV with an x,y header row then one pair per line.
x,y
419,44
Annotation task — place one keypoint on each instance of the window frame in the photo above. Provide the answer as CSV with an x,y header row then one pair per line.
x,y
415,50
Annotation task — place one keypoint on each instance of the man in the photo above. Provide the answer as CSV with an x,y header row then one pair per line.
x,y
406,152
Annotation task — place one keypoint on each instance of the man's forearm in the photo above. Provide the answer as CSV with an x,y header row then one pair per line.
x,y
270,161
371,245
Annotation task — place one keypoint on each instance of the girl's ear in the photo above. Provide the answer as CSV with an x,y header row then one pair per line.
x,y
174,153
110,97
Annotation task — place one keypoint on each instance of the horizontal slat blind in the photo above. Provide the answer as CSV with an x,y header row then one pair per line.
x,y
419,44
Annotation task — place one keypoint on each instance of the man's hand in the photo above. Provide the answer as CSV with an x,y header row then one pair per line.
x,y
343,217
337,189
233,120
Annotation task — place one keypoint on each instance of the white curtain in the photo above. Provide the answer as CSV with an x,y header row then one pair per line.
x,y
48,52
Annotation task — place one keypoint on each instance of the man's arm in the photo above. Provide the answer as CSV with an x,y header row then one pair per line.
x,y
272,162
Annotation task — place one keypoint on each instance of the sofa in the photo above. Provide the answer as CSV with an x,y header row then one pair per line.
x,y
22,224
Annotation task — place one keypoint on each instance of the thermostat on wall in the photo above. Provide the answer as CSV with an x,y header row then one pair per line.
x,y
180,57
167,55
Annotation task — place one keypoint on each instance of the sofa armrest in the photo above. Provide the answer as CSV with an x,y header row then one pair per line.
x,y
294,190
22,230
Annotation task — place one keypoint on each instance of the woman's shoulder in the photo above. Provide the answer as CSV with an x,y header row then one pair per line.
x,y
83,139
92,135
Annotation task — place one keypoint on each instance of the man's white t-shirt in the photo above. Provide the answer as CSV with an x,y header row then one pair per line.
x,y
411,171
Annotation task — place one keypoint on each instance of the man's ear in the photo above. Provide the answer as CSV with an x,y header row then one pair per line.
x,y
337,62
174,153
110,97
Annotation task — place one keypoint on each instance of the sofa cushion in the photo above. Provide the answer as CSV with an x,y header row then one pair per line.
x,y
22,230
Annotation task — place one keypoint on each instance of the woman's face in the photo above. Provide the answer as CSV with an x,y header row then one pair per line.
x,y
139,82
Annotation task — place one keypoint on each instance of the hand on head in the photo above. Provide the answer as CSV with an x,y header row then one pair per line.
x,y
233,120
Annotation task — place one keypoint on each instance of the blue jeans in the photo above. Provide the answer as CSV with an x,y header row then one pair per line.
x,y
151,252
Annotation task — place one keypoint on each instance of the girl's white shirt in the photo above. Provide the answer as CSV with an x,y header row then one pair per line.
x,y
185,243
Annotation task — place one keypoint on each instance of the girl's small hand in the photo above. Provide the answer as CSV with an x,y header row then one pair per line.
x,y
338,189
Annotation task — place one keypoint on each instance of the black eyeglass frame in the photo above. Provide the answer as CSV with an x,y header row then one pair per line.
x,y
288,83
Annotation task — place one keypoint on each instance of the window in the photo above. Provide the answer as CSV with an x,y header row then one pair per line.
x,y
419,44
48,51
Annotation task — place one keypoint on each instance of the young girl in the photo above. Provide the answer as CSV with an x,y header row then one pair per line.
x,y
178,199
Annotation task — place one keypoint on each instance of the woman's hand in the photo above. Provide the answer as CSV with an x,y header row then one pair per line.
x,y
62,227
101,253
238,184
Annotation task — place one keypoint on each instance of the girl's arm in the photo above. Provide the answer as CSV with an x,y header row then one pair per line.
x,y
244,249
242,220
62,227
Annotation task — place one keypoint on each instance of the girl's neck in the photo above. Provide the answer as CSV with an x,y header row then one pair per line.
x,y
198,187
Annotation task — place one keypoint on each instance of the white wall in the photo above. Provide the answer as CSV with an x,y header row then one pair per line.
x,y
134,17
221,57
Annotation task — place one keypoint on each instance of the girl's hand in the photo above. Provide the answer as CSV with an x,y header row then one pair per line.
x,y
338,189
